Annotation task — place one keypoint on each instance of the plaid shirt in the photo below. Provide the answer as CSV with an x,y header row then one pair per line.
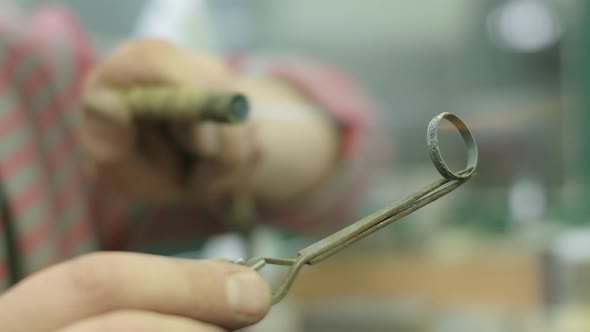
x,y
51,211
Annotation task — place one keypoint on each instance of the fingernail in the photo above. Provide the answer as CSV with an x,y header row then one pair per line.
x,y
247,294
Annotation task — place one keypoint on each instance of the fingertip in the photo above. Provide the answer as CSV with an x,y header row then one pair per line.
x,y
244,297
248,295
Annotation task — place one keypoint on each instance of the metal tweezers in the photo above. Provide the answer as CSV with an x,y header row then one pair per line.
x,y
330,245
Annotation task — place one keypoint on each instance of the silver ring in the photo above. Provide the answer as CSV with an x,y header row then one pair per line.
x,y
435,155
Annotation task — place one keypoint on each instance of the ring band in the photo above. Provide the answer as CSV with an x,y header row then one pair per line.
x,y
435,155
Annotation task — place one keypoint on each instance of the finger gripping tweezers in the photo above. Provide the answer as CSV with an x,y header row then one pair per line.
x,y
330,245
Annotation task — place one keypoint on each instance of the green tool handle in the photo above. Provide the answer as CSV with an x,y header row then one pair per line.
x,y
182,104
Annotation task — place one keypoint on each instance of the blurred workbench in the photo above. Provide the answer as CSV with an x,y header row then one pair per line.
x,y
507,281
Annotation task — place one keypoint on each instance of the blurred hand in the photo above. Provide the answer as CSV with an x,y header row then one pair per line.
x,y
153,170
133,292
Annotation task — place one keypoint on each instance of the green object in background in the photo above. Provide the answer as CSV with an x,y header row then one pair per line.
x,y
580,72
489,218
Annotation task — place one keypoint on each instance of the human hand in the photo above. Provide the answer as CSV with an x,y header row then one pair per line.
x,y
134,292
153,170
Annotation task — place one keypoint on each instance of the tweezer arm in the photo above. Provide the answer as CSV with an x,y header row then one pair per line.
x,y
330,245
334,243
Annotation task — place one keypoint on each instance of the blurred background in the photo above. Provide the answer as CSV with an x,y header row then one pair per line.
x,y
510,250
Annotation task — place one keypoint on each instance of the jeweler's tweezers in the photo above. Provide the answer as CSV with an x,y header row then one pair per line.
x,y
330,245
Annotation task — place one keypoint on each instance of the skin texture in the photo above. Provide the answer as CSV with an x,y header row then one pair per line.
x,y
134,292
254,157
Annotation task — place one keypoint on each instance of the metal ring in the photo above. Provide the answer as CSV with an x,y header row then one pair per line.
x,y
435,155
